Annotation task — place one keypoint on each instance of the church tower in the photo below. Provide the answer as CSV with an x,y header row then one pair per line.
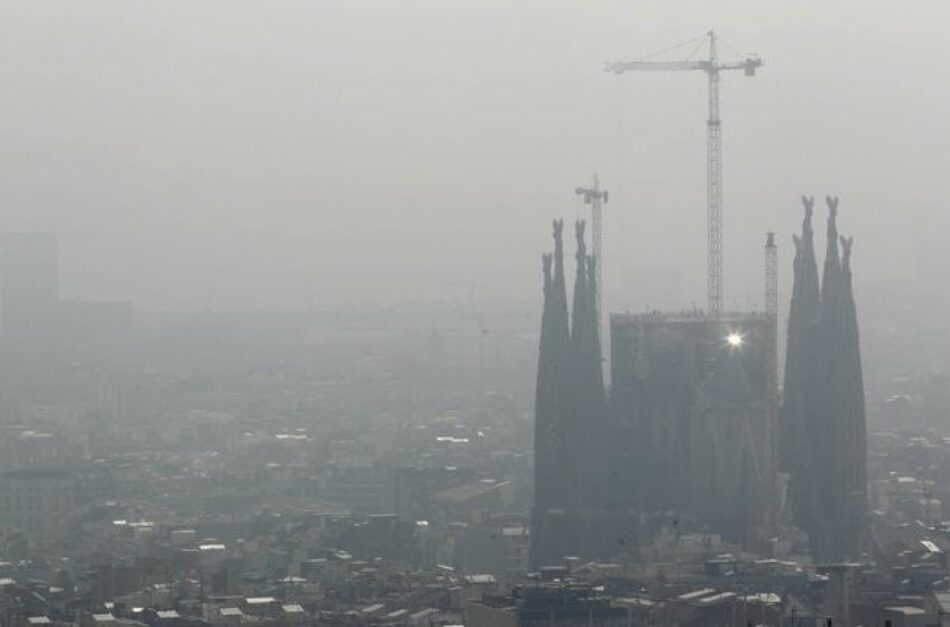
x,y
823,426
551,396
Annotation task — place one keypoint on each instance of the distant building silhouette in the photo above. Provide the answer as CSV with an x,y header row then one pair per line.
x,y
29,286
684,441
823,428
570,490
35,324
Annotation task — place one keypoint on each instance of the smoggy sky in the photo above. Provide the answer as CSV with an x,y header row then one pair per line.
x,y
213,154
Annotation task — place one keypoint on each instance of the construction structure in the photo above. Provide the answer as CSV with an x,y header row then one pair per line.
x,y
691,443
596,198
713,67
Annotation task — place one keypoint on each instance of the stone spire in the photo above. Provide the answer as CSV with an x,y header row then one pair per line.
x,y
587,436
830,495
856,420
587,383
551,395
798,438
826,444
831,279
810,290
559,290
545,410
846,422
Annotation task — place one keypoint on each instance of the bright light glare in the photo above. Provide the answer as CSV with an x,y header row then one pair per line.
x,y
734,340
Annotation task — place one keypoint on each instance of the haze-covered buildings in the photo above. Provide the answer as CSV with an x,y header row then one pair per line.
x,y
685,441
35,322
689,436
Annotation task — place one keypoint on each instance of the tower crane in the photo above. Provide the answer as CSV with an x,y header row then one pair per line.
x,y
712,67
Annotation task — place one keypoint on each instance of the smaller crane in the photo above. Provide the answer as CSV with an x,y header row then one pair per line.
x,y
596,197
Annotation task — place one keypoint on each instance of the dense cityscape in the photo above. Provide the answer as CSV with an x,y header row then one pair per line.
x,y
302,323
391,466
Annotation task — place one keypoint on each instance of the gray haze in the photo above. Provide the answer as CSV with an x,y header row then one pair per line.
x,y
221,154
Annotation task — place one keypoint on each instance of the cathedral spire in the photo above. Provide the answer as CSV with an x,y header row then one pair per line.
x,y
832,273
848,407
810,289
559,289
550,412
796,424
838,412
585,340
587,381
826,449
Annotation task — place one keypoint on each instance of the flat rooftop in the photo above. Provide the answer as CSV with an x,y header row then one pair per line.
x,y
686,316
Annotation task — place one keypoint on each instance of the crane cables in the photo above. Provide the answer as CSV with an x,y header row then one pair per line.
x,y
682,44
699,42
699,46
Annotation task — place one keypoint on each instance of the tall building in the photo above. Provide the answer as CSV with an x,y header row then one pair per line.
x,y
29,286
823,424
570,494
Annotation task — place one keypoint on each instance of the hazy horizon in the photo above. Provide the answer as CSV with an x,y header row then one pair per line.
x,y
292,155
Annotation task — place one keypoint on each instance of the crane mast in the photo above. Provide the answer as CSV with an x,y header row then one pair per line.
x,y
596,197
713,67
771,312
714,286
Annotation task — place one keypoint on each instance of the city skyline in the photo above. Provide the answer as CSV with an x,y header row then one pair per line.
x,y
222,164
